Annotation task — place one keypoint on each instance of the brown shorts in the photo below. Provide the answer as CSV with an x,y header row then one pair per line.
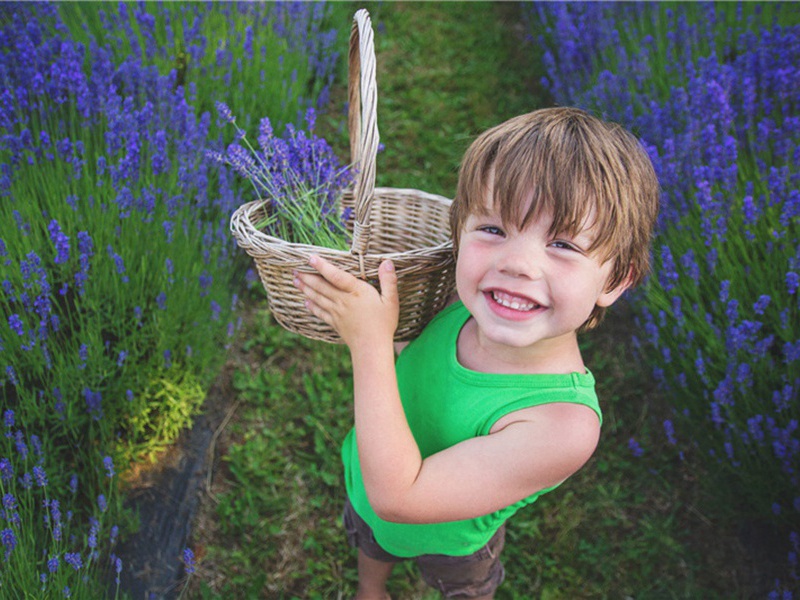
x,y
471,576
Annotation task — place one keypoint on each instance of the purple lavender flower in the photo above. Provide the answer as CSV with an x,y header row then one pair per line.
x,y
754,427
160,161
86,250
60,241
224,112
93,403
20,445
8,419
241,161
101,503
6,470
248,42
169,229
669,430
635,448
791,351
37,446
9,502
9,540
12,375
690,266
188,561
206,279
74,560
792,282
119,262
265,134
760,306
16,324
40,476
55,511
83,355
52,564
94,528
108,464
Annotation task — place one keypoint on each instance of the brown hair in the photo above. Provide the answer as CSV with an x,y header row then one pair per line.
x,y
574,166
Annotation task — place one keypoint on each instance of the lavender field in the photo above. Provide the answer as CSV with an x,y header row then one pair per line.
x,y
713,90
119,275
121,149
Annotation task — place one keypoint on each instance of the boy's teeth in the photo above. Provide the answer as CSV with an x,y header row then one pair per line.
x,y
514,304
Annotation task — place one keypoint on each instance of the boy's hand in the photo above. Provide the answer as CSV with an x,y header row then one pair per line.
x,y
358,312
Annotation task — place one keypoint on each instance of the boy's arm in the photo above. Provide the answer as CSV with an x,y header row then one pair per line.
x,y
535,449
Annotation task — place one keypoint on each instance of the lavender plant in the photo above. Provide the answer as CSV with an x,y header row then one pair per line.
x,y
275,58
52,546
115,258
713,91
300,176
113,247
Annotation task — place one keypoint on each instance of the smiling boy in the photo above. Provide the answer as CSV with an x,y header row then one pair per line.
x,y
492,405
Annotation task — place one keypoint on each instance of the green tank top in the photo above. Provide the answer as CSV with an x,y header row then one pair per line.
x,y
445,404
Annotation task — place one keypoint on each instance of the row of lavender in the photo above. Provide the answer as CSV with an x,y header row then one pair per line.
x,y
713,90
116,264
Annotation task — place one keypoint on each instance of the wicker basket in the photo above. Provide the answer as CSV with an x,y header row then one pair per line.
x,y
408,226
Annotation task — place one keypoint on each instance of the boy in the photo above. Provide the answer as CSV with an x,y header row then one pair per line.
x,y
492,405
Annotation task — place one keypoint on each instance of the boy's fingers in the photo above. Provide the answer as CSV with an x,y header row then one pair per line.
x,y
317,311
314,288
388,278
336,276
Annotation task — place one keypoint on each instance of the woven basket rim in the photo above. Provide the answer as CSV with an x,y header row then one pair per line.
x,y
242,215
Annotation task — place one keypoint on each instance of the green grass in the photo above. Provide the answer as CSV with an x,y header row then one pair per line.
x,y
623,527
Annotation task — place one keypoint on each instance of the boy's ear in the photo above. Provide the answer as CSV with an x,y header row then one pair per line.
x,y
608,297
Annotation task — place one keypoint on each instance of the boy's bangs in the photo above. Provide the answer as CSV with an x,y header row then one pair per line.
x,y
529,184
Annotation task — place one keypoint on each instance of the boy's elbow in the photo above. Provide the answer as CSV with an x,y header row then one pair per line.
x,y
389,507
389,515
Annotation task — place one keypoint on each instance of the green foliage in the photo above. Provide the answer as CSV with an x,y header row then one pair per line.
x,y
116,263
285,472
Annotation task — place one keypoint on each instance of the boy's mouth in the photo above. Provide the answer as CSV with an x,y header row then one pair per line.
x,y
513,302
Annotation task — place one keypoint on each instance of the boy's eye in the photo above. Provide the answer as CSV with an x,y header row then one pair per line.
x,y
491,229
561,244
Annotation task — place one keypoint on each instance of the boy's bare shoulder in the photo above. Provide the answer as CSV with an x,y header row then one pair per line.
x,y
574,427
553,413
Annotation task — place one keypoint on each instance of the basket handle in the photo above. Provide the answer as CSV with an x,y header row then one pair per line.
x,y
362,121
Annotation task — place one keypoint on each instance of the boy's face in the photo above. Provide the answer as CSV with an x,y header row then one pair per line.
x,y
528,288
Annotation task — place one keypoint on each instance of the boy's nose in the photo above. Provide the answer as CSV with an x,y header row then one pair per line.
x,y
521,261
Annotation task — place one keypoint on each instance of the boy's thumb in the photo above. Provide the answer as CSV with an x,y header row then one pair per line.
x,y
388,278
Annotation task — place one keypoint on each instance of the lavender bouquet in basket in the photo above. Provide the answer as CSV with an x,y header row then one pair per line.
x,y
300,177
